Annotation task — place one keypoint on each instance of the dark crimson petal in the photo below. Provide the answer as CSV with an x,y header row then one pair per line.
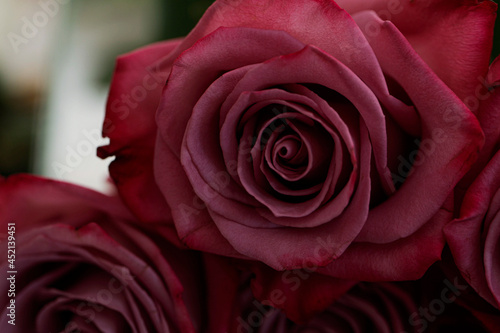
x,y
134,95
447,125
190,215
473,237
302,293
464,28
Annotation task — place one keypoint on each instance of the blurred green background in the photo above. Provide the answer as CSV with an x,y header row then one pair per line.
x,y
102,30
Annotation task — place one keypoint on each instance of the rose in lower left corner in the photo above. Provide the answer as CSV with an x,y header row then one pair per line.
x,y
82,265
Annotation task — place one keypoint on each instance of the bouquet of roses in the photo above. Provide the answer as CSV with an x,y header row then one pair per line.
x,y
288,166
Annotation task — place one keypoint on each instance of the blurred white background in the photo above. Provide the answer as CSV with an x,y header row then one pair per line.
x,y
59,55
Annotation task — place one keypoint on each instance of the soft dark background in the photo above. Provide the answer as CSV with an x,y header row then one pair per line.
x,y
22,103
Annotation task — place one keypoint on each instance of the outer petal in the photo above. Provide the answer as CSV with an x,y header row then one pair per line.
x,y
403,259
130,124
468,298
451,132
317,22
194,225
473,236
223,281
453,37
488,93
299,293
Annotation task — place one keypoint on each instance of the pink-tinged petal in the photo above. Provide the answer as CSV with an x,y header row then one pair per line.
x,y
113,310
193,223
289,248
399,260
453,37
300,293
273,70
489,110
366,307
203,63
492,247
130,125
473,237
490,320
320,22
382,307
450,130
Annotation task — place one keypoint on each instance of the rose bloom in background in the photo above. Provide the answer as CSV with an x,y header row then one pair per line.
x,y
83,266
319,157
297,134
367,307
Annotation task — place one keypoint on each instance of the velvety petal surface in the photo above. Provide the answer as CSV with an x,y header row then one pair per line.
x,y
134,95
453,37
473,237
452,133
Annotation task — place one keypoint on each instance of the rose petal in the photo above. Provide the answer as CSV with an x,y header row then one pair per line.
x,y
400,260
434,26
465,234
300,293
453,133
134,95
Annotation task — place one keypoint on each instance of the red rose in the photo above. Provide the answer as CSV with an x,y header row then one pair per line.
x,y
291,134
81,266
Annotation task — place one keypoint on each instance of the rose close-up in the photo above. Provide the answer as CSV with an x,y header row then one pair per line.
x,y
292,133
81,265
